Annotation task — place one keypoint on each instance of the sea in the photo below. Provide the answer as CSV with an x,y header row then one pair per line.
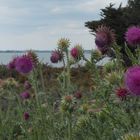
x,y
43,56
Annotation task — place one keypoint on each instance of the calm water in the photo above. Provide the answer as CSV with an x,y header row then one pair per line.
x,y
5,57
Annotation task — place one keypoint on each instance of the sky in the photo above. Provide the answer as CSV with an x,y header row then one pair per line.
x,y
39,24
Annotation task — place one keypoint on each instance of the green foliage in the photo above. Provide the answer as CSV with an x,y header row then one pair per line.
x,y
118,19
98,115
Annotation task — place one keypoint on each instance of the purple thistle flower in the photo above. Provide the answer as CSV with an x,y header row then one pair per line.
x,y
11,64
132,35
25,95
78,95
27,85
77,52
56,56
74,52
132,80
104,38
33,56
26,116
101,41
121,93
23,64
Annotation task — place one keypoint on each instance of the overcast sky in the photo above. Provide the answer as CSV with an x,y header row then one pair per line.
x,y
38,24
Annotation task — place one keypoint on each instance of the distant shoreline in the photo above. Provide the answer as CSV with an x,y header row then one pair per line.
x,y
22,51
41,51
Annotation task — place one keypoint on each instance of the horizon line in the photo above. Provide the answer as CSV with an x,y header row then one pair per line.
x,y
28,50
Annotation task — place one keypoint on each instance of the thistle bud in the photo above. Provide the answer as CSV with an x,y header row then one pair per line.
x,y
77,52
63,44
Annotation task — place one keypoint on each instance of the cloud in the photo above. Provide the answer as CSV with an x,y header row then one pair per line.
x,y
14,12
96,5
56,10
10,15
46,38
38,24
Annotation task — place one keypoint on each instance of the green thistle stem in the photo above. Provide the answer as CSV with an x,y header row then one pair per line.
x,y
68,70
63,63
42,79
35,87
70,127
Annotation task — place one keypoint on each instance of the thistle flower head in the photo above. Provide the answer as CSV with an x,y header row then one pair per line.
x,y
27,85
132,36
77,52
11,64
78,95
104,38
121,93
132,80
25,95
63,44
68,98
33,57
26,116
74,52
56,56
23,64
67,104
